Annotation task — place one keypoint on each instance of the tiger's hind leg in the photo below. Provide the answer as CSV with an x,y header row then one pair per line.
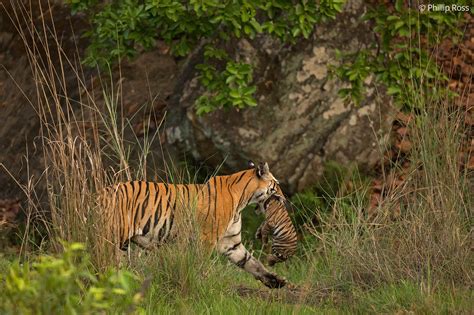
x,y
144,242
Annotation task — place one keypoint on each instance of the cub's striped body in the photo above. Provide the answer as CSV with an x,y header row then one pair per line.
x,y
278,222
150,213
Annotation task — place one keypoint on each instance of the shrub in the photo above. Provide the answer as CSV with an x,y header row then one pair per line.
x,y
66,284
401,56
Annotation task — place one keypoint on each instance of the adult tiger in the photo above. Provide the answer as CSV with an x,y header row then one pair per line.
x,y
149,213
278,222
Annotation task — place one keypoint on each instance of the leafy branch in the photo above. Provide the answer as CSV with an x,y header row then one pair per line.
x,y
401,58
122,28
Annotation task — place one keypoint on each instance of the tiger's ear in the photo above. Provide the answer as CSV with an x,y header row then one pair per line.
x,y
263,169
251,164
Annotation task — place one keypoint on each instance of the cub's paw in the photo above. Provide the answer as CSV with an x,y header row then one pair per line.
x,y
273,281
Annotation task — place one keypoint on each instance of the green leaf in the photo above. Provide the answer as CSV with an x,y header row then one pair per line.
x,y
399,5
248,30
393,18
250,101
237,102
235,94
399,24
296,31
392,90
249,90
404,31
230,79
256,25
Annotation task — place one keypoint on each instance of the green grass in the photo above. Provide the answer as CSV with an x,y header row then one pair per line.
x,y
237,293
186,283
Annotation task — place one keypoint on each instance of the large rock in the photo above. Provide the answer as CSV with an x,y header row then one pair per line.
x,y
300,122
143,84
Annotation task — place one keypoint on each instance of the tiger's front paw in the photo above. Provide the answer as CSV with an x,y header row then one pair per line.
x,y
273,281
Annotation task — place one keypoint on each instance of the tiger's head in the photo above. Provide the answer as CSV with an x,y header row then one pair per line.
x,y
266,184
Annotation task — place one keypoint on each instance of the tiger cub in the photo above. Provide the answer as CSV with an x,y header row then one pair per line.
x,y
278,222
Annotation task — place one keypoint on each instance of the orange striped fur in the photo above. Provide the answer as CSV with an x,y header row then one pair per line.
x,y
149,213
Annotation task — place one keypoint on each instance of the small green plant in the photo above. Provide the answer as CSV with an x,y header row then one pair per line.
x,y
401,56
66,285
122,28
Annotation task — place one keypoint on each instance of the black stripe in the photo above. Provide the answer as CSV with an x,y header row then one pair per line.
x,y
120,195
136,218
243,192
174,199
241,263
170,198
171,223
123,210
232,248
230,236
159,209
208,199
236,181
128,207
147,199
172,208
162,230
147,226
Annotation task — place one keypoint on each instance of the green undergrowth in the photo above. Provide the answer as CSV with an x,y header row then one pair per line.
x,y
185,281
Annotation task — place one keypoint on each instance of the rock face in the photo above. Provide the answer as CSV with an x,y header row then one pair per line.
x,y
144,84
298,126
20,142
300,122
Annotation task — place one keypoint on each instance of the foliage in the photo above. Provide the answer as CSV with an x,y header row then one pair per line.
x,y
121,28
400,57
231,87
65,284
339,186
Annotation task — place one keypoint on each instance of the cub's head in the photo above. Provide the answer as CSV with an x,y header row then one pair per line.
x,y
277,196
265,183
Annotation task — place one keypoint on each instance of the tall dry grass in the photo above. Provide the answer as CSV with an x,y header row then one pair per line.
x,y
430,241
87,143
